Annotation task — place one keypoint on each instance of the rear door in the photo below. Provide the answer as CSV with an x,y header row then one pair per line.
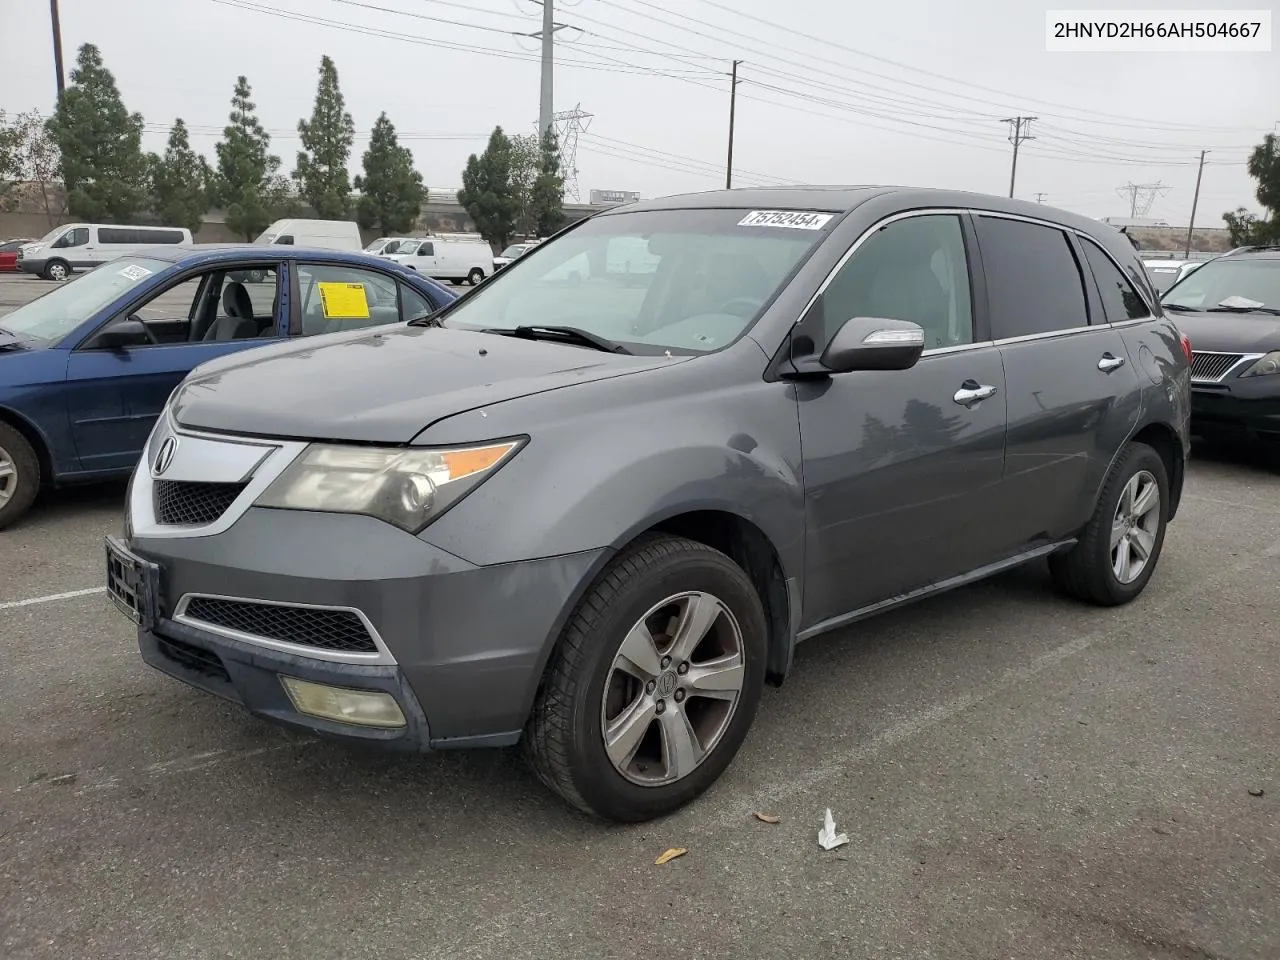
x,y
1072,388
335,297
115,394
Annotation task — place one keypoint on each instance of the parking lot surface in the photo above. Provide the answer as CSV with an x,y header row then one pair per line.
x,y
1019,775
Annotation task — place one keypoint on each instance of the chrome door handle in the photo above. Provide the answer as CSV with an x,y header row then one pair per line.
x,y
1110,362
971,392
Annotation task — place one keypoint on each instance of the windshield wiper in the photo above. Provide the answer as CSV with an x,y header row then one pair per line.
x,y
1271,310
561,334
426,320
1177,306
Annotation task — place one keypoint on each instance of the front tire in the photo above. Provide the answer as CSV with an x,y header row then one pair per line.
x,y
57,270
475,277
1119,548
654,683
19,475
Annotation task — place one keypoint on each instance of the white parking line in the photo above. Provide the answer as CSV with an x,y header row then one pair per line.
x,y
51,598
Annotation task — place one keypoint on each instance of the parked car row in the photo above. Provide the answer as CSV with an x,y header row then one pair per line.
x,y
592,506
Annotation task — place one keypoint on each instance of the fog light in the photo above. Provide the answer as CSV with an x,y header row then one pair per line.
x,y
368,708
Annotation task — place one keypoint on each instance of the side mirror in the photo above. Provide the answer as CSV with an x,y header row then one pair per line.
x,y
123,333
874,343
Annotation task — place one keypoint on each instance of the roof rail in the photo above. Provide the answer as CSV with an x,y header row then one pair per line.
x,y
1254,248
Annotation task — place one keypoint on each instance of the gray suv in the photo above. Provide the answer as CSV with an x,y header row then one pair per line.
x,y
592,506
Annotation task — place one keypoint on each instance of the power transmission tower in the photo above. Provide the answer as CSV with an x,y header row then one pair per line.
x,y
547,34
1040,197
569,125
1141,196
1019,128
733,100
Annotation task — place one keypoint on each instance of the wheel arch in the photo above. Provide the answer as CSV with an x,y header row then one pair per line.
x,y
1164,440
33,435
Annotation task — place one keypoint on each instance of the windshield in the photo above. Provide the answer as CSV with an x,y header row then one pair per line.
x,y
512,252
685,280
1241,284
65,307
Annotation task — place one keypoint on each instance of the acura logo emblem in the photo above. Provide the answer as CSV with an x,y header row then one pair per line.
x,y
165,457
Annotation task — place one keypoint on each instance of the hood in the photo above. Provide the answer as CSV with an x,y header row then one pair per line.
x,y
385,386
1229,332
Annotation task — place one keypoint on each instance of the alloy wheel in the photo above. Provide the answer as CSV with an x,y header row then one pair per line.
x,y
8,477
1135,526
672,689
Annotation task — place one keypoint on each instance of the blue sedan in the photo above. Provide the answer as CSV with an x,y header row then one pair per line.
x,y
86,368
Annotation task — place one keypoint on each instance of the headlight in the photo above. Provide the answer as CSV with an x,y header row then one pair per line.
x,y
404,486
1268,364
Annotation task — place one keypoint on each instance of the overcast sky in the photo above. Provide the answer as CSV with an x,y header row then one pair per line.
x,y
907,91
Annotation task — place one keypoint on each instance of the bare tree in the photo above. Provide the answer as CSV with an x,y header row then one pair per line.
x,y
30,162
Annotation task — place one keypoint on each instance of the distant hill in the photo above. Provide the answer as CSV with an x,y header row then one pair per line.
x,y
1203,240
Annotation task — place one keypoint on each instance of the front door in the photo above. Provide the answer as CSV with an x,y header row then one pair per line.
x,y
115,394
902,468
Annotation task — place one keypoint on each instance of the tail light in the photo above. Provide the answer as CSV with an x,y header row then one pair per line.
x,y
1186,345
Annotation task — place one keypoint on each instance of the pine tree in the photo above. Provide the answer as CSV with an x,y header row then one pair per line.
x,y
548,190
486,192
103,166
245,167
180,182
326,146
391,190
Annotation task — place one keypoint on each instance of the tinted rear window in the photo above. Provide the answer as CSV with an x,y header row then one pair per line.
x,y
1120,300
1034,284
139,235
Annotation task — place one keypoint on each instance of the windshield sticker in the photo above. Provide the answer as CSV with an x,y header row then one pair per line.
x,y
134,272
344,301
792,219
1236,302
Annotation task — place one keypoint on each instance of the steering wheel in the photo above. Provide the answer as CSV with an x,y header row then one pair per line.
x,y
152,339
749,304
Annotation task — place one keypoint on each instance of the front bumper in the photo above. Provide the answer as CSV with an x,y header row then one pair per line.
x,y
461,647
1247,409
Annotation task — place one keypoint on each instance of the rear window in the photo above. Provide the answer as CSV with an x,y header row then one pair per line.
x,y
1034,284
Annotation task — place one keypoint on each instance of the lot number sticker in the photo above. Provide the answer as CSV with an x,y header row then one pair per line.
x,y
134,272
792,219
344,301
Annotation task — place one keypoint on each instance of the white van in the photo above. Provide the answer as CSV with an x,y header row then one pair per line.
x,y
83,246
386,244
452,260
321,234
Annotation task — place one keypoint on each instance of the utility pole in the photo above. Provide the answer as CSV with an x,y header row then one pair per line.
x,y
733,101
1018,132
1040,197
545,107
57,47
1195,200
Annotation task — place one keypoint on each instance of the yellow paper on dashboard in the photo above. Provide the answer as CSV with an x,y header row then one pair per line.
x,y
344,301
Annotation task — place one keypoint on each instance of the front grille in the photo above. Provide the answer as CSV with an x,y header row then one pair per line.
x,y
339,631
193,504
1212,366
193,658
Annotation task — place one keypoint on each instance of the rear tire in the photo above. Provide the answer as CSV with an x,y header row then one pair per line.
x,y
57,270
19,475
1126,530
692,618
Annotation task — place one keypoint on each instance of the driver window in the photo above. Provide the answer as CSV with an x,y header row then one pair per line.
x,y
913,269
73,238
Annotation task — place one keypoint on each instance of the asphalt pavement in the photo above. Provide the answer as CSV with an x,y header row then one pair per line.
x,y
1020,776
